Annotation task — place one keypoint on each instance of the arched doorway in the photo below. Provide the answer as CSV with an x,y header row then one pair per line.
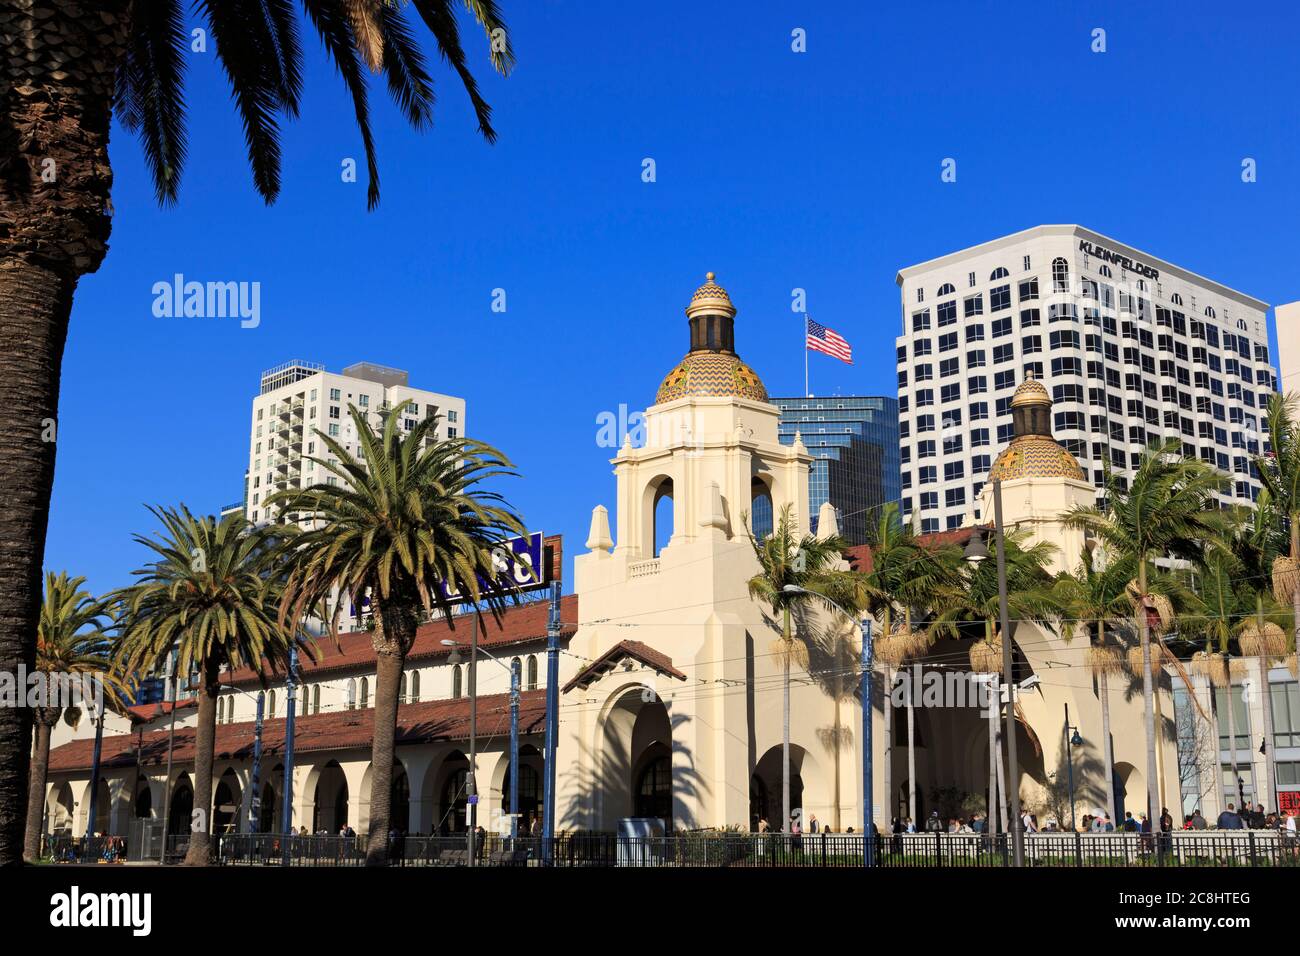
x,y
182,807
225,803
530,788
330,801
766,782
143,803
635,733
58,814
399,810
453,795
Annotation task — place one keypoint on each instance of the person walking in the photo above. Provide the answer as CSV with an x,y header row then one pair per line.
x,y
934,824
1198,821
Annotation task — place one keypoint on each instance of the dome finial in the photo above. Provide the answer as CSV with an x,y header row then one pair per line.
x,y
710,299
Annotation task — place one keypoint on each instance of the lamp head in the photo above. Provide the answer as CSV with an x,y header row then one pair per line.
x,y
975,549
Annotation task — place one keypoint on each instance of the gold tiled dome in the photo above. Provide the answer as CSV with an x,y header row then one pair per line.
x,y
711,374
1030,392
1035,456
711,369
712,298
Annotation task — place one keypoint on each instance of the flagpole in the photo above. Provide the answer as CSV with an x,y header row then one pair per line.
x,y
805,355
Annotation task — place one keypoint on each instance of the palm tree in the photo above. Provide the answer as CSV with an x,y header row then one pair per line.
x,y
1095,596
71,68
408,523
72,638
1165,510
973,604
807,562
905,574
213,597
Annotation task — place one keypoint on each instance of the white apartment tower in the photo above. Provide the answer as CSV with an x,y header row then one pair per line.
x,y
298,399
1133,349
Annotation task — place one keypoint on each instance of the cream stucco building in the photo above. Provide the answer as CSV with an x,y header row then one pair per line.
x,y
671,702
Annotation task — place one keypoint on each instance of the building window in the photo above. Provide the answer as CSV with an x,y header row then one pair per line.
x,y
364,700
456,690
415,687
999,273
1060,275
947,289
530,682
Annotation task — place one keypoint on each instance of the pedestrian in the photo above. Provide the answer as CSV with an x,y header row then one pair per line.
x,y
934,824
812,823
763,826
1198,821
1229,819
1130,825
1166,820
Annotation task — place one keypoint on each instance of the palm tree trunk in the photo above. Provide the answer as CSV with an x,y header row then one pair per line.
x,y
59,63
1148,696
991,807
835,810
205,737
1232,734
889,743
1270,767
1108,745
785,728
395,625
911,754
36,787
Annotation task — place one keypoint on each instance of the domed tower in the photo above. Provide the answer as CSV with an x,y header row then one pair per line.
x,y
711,368
1041,481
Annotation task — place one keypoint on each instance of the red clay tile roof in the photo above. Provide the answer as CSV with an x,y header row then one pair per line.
x,y
519,624
644,653
859,556
420,723
143,713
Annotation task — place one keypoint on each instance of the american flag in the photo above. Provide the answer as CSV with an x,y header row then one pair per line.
x,y
822,339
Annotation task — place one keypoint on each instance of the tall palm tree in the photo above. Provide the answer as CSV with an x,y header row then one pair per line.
x,y
72,638
70,68
905,574
1095,596
1167,509
409,523
786,558
972,607
212,595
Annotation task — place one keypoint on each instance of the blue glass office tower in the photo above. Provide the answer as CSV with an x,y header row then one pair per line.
x,y
854,439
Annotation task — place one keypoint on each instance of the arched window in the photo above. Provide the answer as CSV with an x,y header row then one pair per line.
x,y
1209,310
270,705
662,515
1176,299
947,289
315,699
1105,271
221,708
455,682
531,682
415,687
351,693
1060,275
999,273
1142,285
401,690
761,517
365,692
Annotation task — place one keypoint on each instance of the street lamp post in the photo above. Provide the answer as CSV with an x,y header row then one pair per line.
x,y
167,783
552,721
513,670
255,778
976,552
290,686
868,789
1072,740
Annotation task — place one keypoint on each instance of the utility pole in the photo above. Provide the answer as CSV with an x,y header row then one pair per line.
x,y
868,789
552,722
290,685
1013,765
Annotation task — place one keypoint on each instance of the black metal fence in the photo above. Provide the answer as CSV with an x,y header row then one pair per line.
x,y
1248,848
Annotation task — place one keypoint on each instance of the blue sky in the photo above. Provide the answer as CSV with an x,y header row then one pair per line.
x,y
775,169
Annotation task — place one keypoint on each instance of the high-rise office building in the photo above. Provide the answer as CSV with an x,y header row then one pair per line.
x,y
854,439
298,399
1133,349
